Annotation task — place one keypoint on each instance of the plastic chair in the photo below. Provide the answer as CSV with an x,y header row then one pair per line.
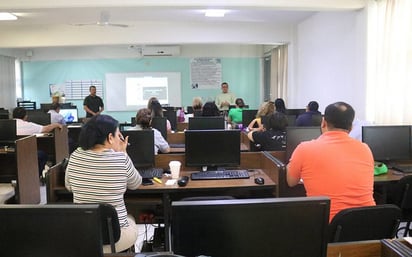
x,y
110,225
365,223
405,202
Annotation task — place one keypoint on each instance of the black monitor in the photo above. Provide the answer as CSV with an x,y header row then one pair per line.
x,y
171,116
296,135
51,230
206,122
247,116
295,112
45,107
70,115
275,227
38,116
160,123
388,143
8,130
4,114
212,148
141,148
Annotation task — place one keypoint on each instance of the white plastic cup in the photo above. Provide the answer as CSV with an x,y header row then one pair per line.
x,y
175,168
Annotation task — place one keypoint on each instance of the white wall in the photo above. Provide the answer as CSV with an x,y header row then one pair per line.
x,y
329,55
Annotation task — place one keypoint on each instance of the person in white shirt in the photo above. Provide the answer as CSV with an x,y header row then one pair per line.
x,y
225,99
55,116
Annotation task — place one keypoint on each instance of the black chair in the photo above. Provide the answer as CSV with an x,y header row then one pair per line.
x,y
404,201
365,223
316,119
110,225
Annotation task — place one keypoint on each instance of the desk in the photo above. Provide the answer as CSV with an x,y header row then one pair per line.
x,y
55,144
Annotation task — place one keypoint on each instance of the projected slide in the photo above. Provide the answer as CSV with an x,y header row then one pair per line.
x,y
131,91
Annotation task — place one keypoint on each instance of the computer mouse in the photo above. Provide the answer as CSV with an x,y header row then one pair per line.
x,y
259,180
183,181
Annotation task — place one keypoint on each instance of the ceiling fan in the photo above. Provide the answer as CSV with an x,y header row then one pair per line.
x,y
103,21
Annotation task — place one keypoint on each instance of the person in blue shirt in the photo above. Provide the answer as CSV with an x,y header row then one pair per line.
x,y
305,119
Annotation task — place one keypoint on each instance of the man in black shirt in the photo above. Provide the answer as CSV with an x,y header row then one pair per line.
x,y
93,104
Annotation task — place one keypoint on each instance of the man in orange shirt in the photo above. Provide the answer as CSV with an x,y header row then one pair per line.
x,y
335,165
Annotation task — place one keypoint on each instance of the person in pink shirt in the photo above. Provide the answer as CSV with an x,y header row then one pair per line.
x,y
335,165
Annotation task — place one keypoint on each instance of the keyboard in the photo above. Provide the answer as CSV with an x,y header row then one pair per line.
x,y
220,174
150,172
403,168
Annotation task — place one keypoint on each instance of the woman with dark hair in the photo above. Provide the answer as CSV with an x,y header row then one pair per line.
x,y
272,138
100,171
235,114
280,105
157,111
210,109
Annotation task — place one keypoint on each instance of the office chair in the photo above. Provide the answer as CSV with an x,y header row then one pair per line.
x,y
404,201
365,223
110,225
316,119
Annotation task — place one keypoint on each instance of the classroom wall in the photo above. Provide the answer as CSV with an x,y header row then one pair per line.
x,y
329,58
242,73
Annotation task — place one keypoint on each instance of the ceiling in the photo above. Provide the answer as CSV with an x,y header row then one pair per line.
x,y
44,23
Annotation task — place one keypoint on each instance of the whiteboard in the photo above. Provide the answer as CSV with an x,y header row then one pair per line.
x,y
131,91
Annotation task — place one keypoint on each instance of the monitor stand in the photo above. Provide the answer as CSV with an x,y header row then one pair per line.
x,y
212,168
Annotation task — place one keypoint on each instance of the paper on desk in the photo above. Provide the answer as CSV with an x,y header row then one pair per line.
x,y
171,182
408,239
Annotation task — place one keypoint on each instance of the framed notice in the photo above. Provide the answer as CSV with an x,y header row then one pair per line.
x,y
205,73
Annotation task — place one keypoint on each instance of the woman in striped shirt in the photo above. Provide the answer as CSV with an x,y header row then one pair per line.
x,y
100,171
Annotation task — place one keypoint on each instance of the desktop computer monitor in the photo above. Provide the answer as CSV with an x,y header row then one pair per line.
x,y
160,123
295,112
8,130
206,122
247,116
70,115
38,116
212,148
141,148
296,135
51,230
388,143
275,227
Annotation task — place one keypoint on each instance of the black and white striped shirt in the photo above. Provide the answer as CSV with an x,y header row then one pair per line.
x,y
102,177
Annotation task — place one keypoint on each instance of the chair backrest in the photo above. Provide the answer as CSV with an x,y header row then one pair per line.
x,y
365,223
110,225
406,193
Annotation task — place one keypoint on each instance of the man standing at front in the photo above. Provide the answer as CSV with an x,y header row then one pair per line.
x,y
335,165
224,99
93,104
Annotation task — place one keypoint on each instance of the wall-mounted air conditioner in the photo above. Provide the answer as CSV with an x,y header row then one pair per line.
x,y
160,50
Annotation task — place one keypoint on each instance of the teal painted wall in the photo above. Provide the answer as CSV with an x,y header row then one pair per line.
x,y
242,74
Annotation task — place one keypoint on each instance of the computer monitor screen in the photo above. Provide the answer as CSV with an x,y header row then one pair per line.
x,y
38,116
296,135
295,112
275,227
70,115
8,130
171,116
160,123
212,148
388,143
206,122
247,116
51,230
141,148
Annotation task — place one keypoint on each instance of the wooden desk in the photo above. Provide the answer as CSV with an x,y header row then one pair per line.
x,y
55,144
182,126
18,166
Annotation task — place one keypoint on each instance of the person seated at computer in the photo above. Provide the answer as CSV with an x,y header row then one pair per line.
x,y
305,119
100,171
197,105
210,109
273,135
235,114
24,128
256,124
157,111
143,120
334,164
55,116
280,105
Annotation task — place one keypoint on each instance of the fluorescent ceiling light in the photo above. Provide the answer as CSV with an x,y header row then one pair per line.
x,y
6,16
215,13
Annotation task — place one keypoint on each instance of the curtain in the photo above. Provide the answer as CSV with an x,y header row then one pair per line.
x,y
7,82
389,62
278,73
